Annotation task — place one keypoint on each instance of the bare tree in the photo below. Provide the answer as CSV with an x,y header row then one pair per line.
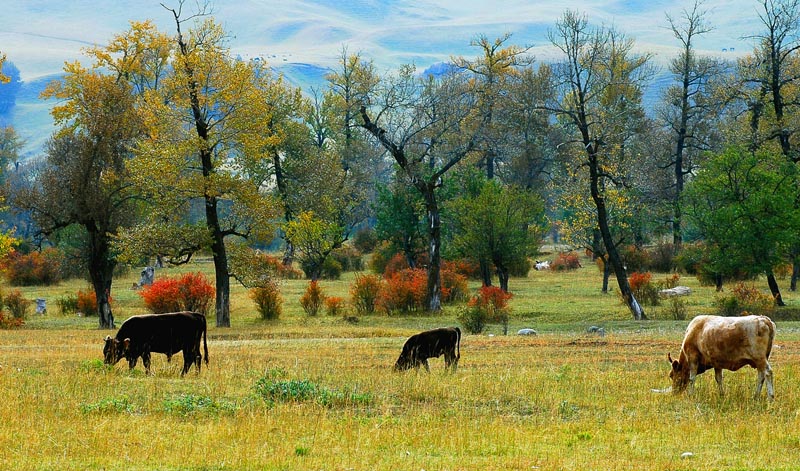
x,y
598,93
420,122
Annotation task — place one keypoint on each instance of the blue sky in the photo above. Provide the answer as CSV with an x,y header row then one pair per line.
x,y
39,35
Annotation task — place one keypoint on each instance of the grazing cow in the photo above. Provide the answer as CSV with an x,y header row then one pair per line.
x,y
724,343
160,333
431,344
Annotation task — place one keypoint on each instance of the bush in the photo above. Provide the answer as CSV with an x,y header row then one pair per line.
x,y
335,306
33,269
404,291
490,305
190,292
349,258
86,302
662,257
312,299
634,258
365,240
469,268
365,292
68,305
643,288
454,286
16,304
396,263
520,268
745,299
331,269
566,261
9,322
268,300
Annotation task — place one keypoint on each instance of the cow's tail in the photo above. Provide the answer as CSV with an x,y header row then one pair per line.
x,y
205,345
458,342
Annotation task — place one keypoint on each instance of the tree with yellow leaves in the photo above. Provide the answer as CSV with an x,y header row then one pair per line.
x,y
207,146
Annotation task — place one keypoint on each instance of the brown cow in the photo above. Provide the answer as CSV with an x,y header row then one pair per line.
x,y
167,333
727,343
431,344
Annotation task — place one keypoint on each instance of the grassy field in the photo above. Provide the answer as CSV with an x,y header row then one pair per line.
x,y
319,394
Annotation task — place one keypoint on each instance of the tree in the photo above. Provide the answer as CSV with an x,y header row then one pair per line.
x,y
84,180
501,224
598,94
314,239
205,140
687,105
490,73
3,78
744,205
400,219
426,136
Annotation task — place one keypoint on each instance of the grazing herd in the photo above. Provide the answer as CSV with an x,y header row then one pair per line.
x,y
710,342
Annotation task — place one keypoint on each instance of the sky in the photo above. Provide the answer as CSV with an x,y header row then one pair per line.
x,y
39,35
300,38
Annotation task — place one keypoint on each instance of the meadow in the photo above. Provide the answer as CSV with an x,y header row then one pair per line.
x,y
319,393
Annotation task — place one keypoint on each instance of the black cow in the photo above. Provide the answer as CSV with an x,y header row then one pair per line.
x,y
431,344
159,333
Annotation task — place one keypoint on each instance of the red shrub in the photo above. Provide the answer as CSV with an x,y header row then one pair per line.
x,y
468,268
396,264
404,291
566,261
35,268
454,286
491,299
8,321
335,306
268,300
190,292
637,280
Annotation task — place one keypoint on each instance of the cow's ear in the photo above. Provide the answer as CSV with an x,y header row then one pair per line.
x,y
107,339
126,343
676,365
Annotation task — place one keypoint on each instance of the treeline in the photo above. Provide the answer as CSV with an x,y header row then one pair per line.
x,y
168,146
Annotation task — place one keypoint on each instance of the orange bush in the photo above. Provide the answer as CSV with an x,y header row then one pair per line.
x,y
35,268
404,291
268,300
190,292
312,299
364,293
566,261
87,302
335,306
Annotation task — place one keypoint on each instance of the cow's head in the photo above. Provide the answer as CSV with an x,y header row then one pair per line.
x,y
679,374
403,363
115,350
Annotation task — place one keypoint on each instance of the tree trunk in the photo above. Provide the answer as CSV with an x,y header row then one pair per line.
x,y
773,288
223,282
434,294
718,282
795,274
605,232
486,273
101,272
502,274
606,274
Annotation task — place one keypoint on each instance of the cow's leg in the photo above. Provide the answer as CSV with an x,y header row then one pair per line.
x,y
765,374
146,361
427,367
132,362
692,376
187,361
718,377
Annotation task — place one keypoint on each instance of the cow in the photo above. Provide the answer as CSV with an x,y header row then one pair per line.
x,y
545,265
431,344
169,333
724,343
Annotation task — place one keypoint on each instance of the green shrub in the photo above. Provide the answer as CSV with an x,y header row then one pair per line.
x,y
68,305
349,258
365,240
331,269
745,299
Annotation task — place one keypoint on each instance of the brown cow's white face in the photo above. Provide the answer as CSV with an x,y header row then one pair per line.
x,y
114,350
678,374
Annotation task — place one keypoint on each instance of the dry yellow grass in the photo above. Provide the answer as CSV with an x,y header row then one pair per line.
x,y
560,400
